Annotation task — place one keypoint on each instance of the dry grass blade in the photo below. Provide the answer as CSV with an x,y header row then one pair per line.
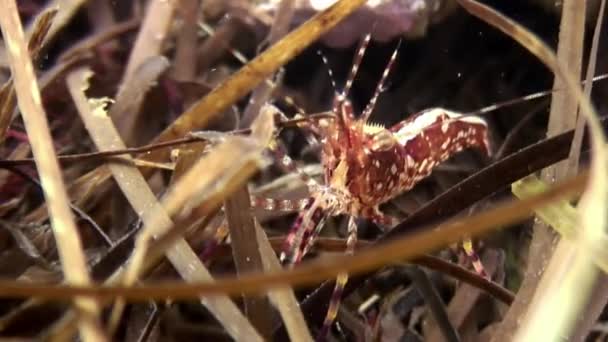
x,y
256,71
151,36
447,331
41,28
571,274
562,116
132,93
148,44
175,143
185,49
153,215
205,191
105,136
279,28
198,185
562,217
66,9
247,256
431,262
318,270
283,299
247,252
461,306
600,290
568,279
228,92
577,140
65,231
7,92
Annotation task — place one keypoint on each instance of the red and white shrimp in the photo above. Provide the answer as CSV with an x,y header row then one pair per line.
x,y
366,164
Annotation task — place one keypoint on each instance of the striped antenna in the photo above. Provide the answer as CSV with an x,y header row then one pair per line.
x,y
330,72
526,98
286,205
356,64
380,87
288,165
512,102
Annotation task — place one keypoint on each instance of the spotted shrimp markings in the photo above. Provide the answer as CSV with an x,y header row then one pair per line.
x,y
446,144
423,141
444,127
393,169
468,119
410,161
422,164
415,128
269,204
